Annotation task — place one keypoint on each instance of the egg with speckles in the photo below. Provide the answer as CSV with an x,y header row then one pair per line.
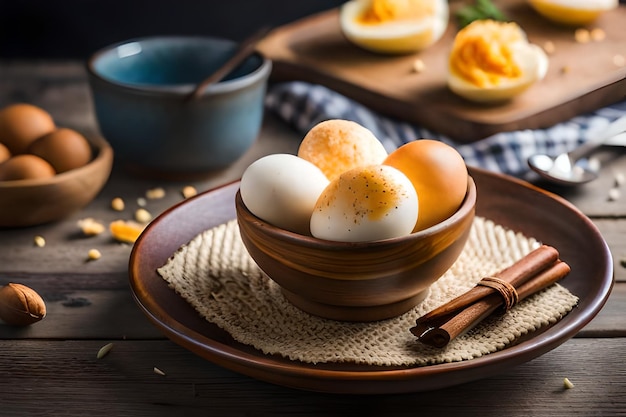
x,y
368,203
336,146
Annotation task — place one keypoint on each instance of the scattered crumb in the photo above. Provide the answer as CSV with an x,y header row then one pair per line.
x,y
549,47
125,231
619,179
117,204
622,262
567,383
141,202
155,193
189,191
614,194
143,216
104,350
90,227
565,69
619,60
418,66
582,35
93,254
39,241
158,371
594,164
597,34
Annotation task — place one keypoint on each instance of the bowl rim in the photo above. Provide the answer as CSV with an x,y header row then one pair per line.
x,y
103,156
467,206
263,71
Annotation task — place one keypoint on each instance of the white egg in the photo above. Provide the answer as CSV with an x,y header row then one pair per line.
x,y
282,190
573,12
493,61
394,26
365,204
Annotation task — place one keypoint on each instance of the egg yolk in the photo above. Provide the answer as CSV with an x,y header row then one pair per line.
x,y
482,52
572,13
381,11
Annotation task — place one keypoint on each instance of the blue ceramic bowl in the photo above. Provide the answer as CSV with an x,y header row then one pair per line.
x,y
139,89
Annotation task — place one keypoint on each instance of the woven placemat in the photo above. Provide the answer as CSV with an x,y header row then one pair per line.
x,y
215,275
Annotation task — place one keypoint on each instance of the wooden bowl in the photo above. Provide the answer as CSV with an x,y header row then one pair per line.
x,y
39,201
364,281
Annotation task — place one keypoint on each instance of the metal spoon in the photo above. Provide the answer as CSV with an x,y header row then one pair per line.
x,y
564,169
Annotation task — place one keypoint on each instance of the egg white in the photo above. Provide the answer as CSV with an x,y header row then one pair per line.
x,y
393,37
573,12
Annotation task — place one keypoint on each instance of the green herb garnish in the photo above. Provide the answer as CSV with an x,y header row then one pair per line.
x,y
480,10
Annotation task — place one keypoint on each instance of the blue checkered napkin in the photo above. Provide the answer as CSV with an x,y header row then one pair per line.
x,y
303,105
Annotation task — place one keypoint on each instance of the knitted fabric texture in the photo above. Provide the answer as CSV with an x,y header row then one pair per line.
x,y
217,277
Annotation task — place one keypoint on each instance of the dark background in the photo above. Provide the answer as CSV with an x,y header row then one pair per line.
x,y
76,28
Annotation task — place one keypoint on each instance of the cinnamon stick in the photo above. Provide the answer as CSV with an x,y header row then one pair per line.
x,y
516,274
531,274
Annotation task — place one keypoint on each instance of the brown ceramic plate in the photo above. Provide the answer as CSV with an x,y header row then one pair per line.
x,y
512,203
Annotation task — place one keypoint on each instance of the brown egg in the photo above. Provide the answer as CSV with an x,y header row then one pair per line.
x,y
24,167
439,175
21,124
64,149
5,153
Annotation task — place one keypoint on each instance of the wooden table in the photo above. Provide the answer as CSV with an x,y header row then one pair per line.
x,y
51,368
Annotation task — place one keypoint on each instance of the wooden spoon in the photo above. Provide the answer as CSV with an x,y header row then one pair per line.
x,y
246,48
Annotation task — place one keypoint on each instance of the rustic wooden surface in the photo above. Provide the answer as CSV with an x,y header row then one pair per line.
x,y
50,368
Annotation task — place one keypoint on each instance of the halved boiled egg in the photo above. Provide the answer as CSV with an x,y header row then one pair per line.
x,y
493,61
394,26
573,12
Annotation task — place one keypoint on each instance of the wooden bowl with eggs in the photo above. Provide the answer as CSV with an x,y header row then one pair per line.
x,y
46,172
357,281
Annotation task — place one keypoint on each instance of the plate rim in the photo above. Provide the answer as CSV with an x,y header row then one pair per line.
x,y
295,374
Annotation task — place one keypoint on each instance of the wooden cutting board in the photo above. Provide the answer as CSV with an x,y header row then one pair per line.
x,y
582,76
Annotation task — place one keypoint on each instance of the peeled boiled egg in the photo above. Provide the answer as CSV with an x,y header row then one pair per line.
x,y
394,26
493,61
64,149
21,124
25,167
573,12
282,189
439,175
338,145
365,204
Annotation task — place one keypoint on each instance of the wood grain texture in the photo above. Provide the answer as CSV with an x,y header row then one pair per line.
x,y
314,50
72,382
